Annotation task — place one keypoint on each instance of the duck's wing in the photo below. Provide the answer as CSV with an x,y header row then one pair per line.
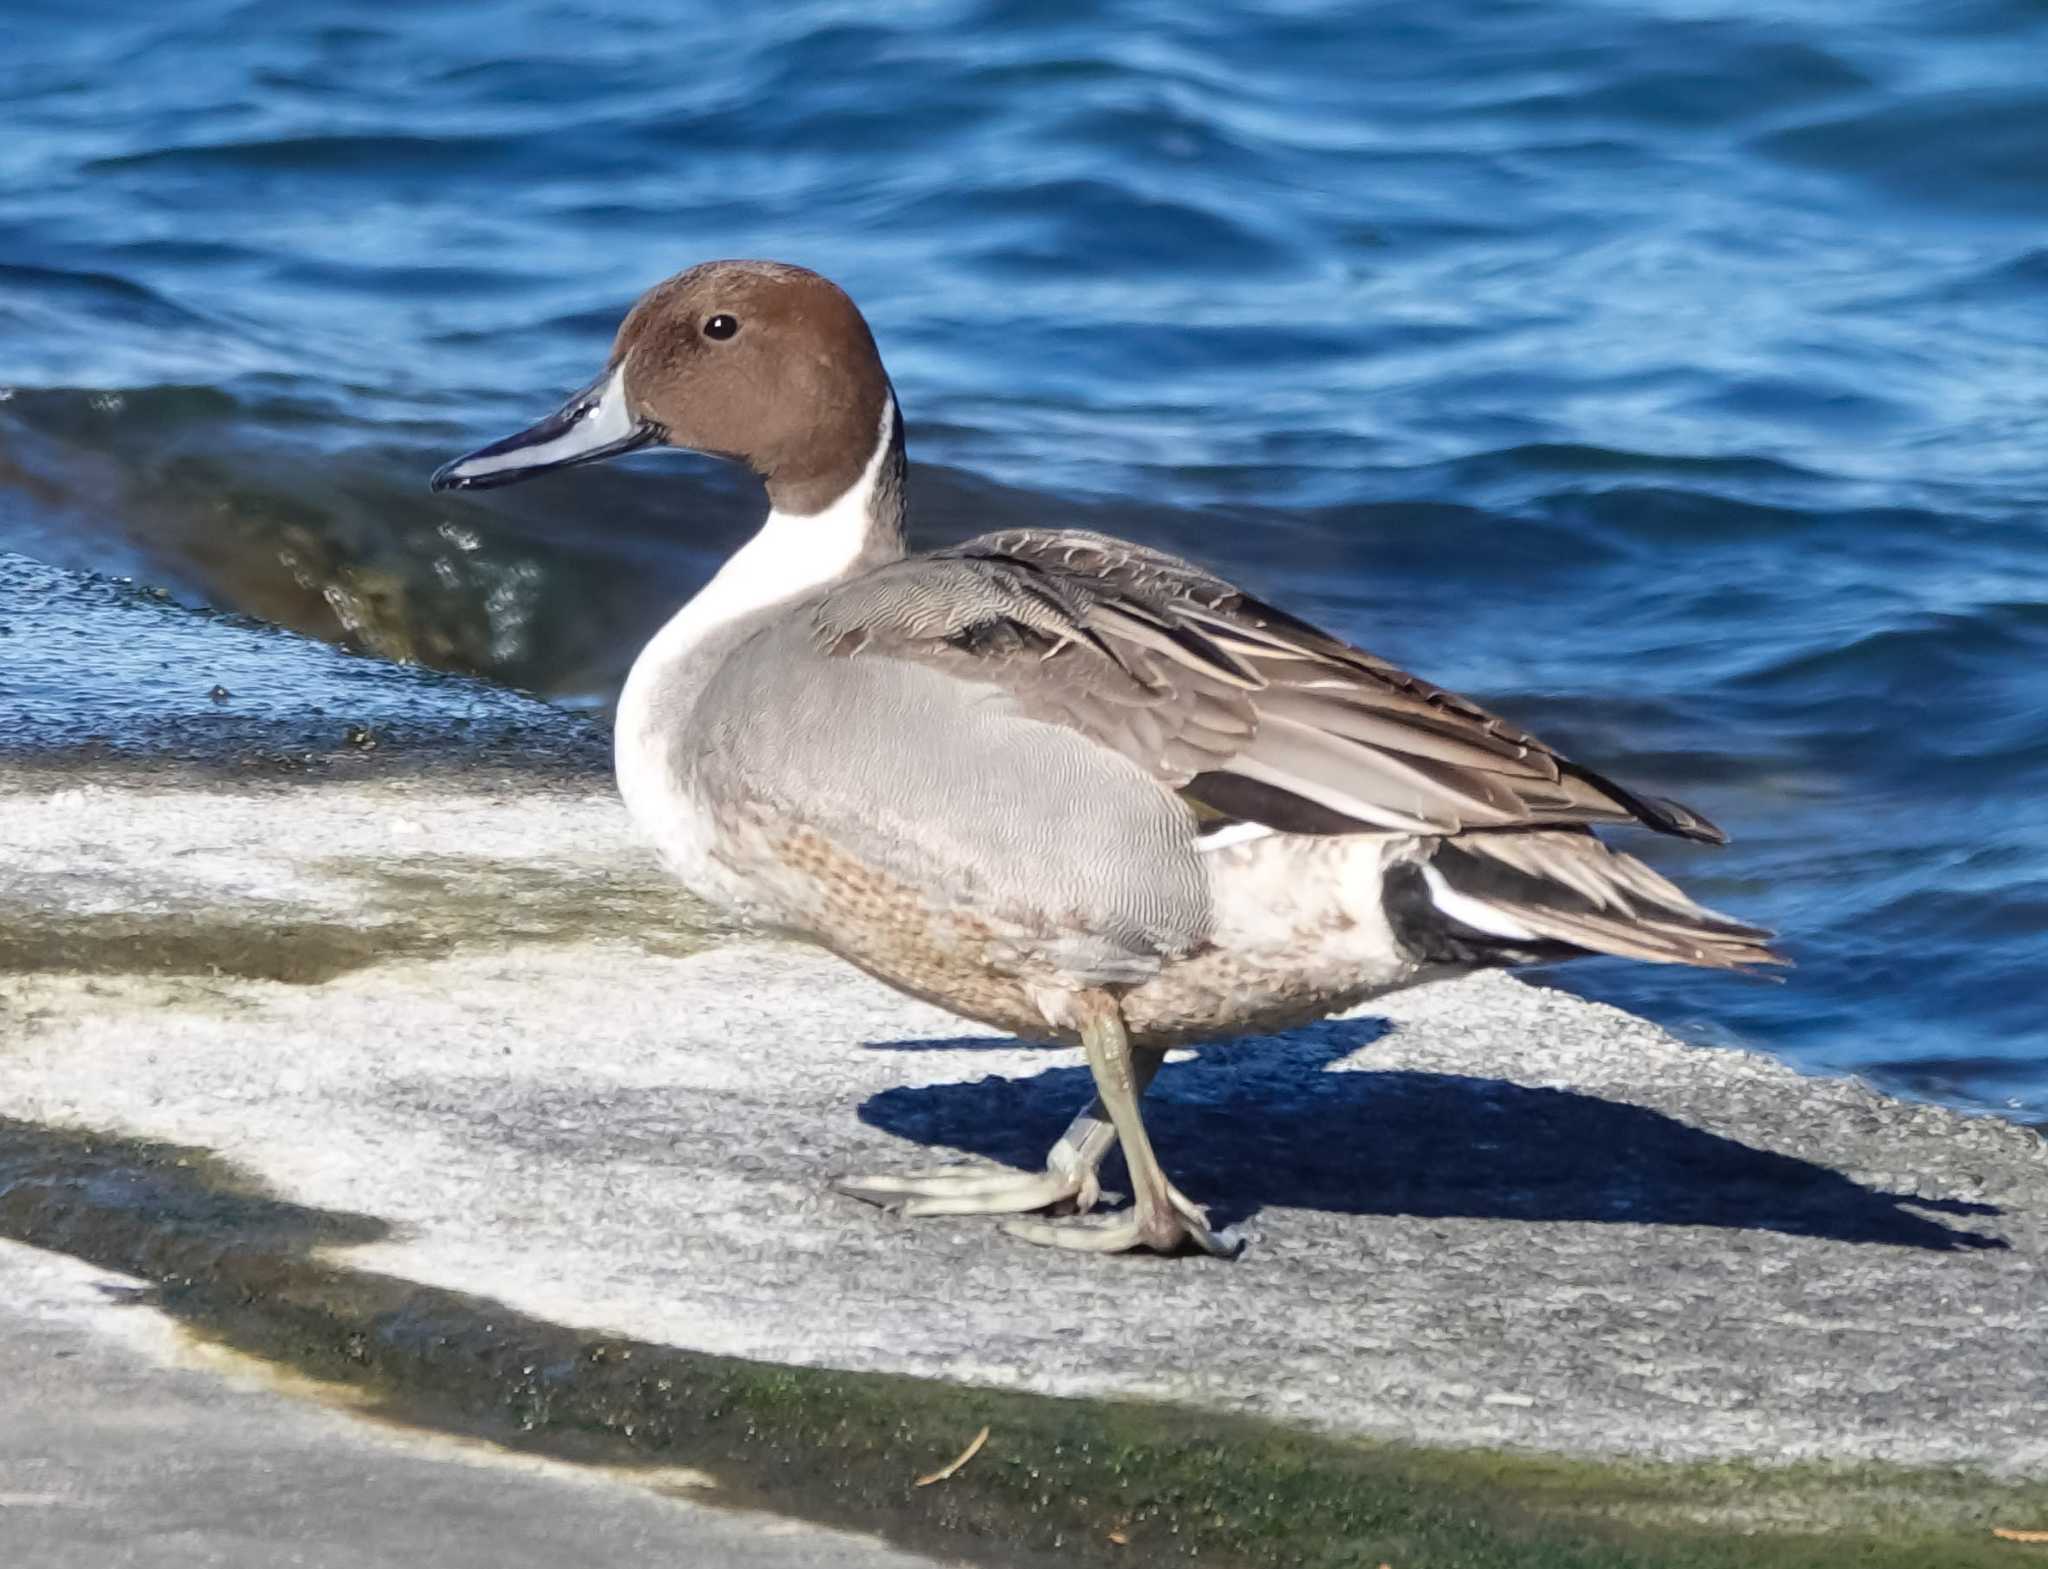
x,y
1251,714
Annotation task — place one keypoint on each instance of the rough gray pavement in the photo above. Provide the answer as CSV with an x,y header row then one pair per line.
x,y
126,1444
466,1004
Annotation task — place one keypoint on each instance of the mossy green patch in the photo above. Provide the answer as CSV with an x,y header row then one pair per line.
x,y
429,906
477,901
302,952
1065,1481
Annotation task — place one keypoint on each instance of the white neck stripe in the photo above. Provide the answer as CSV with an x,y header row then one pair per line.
x,y
790,554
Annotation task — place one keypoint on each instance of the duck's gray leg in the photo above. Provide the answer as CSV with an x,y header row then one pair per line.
x,y
1069,1177
1160,1216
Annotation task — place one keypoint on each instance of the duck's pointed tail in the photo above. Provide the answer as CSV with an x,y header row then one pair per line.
x,y
1521,897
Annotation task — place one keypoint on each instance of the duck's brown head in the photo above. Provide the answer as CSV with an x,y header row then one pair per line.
x,y
767,364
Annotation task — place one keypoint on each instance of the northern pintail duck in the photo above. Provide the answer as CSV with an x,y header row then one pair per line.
x,y
1063,784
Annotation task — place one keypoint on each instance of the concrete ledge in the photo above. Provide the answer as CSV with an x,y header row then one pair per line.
x,y
459,1004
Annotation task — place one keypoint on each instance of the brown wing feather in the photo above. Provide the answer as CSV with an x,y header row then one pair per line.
x,y
1249,712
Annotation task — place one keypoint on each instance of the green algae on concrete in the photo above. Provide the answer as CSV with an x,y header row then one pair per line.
x,y
1066,1481
300,952
424,908
473,900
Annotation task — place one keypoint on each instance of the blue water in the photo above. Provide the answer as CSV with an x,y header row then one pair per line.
x,y
1674,377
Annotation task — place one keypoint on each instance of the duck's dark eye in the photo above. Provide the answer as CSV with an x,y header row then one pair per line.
x,y
721,327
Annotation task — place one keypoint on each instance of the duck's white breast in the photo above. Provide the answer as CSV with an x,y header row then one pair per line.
x,y
658,708
648,747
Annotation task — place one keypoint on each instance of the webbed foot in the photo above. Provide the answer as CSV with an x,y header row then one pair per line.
x,y
1161,1228
975,1190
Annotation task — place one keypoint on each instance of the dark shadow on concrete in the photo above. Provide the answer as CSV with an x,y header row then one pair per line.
x,y
1258,1123
91,1194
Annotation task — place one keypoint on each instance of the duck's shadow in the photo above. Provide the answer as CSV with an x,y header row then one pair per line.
x,y
1259,1123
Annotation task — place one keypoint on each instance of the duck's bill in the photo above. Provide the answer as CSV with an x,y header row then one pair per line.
x,y
593,425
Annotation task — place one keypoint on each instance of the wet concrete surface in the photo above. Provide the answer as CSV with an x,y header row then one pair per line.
x,y
95,668
456,1002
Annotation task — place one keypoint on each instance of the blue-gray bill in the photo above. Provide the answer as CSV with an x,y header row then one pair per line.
x,y
593,425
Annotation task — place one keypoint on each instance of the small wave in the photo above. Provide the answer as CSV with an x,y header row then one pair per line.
x,y
1812,401
1929,650
79,410
374,275
1050,228
2017,281
368,158
1550,459
1744,80
103,293
1974,148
